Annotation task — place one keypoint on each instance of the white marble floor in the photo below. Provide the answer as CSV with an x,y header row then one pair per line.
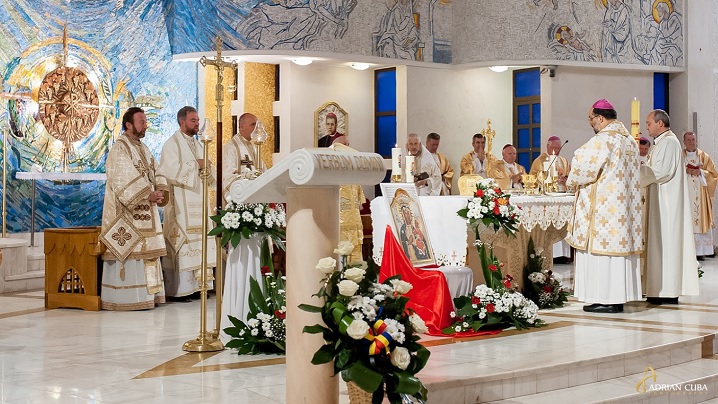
x,y
75,356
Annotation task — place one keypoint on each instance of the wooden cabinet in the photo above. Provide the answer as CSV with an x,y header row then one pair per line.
x,y
73,270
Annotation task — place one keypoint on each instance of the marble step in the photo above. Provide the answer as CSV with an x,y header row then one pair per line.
x,y
690,382
535,374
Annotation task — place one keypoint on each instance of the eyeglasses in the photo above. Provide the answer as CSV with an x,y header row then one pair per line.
x,y
590,118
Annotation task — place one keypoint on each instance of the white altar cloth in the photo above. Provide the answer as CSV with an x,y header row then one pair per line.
x,y
446,233
242,262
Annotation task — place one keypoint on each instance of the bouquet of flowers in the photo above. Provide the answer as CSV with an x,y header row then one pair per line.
x,y
494,307
369,333
238,220
543,286
265,329
493,208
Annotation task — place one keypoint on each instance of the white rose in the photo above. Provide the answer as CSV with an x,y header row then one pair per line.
x,y
347,287
359,264
418,324
357,329
327,265
354,274
344,248
400,357
401,286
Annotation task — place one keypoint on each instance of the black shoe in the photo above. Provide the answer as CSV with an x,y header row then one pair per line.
x,y
195,296
654,300
179,299
670,300
603,308
700,258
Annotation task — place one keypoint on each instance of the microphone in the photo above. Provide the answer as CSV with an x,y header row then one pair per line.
x,y
555,156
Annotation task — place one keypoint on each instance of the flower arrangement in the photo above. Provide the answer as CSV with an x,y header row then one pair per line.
x,y
498,303
496,307
492,207
265,329
369,333
241,220
542,286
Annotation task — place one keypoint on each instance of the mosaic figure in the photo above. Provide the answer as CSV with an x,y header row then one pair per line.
x,y
569,45
398,36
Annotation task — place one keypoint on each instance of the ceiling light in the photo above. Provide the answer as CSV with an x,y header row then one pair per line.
x,y
302,61
359,66
499,69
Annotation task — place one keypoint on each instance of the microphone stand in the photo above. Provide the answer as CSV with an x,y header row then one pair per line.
x,y
555,156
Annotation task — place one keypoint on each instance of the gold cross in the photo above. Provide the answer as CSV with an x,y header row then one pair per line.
x,y
604,243
623,242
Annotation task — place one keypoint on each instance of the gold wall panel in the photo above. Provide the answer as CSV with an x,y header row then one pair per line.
x,y
210,84
259,85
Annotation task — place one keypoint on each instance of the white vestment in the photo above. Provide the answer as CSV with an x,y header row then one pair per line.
x,y
425,163
183,216
672,266
131,229
605,229
237,155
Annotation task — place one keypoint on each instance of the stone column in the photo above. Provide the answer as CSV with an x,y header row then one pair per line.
x,y
312,234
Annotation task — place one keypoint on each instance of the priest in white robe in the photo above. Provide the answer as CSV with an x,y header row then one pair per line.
x,y
672,268
702,179
238,154
424,163
477,161
507,172
131,238
447,172
181,163
606,226
644,147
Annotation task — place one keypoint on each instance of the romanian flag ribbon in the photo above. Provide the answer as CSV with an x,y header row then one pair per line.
x,y
378,338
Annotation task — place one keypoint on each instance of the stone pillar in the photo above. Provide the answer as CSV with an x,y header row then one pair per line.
x,y
312,234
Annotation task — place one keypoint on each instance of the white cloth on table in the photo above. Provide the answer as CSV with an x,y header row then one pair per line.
x,y
446,234
607,279
242,262
561,249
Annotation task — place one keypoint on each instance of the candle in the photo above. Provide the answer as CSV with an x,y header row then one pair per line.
x,y
635,117
409,169
395,161
554,167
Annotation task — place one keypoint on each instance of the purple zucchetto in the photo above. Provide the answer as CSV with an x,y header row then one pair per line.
x,y
603,104
552,138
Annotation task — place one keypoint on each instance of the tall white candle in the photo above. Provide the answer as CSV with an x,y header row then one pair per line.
x,y
395,161
409,169
554,167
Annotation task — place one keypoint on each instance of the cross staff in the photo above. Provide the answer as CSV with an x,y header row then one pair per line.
x,y
220,65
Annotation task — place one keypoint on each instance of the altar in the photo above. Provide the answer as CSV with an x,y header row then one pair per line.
x,y
544,218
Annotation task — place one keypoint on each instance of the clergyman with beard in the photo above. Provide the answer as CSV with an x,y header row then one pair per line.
x,y
131,230
182,163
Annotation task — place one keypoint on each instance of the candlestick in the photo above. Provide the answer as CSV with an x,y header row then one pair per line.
x,y
396,164
409,169
635,118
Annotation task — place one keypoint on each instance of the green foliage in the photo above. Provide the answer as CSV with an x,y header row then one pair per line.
x,y
352,320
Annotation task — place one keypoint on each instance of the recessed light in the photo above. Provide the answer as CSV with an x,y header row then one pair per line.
x,y
302,61
499,69
359,66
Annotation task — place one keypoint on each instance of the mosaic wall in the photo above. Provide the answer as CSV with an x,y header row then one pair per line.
x,y
399,29
122,49
648,32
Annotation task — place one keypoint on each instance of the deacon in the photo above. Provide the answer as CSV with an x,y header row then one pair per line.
x,y
447,172
702,178
507,172
672,269
553,148
181,163
606,225
238,155
644,146
477,161
131,229
424,163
